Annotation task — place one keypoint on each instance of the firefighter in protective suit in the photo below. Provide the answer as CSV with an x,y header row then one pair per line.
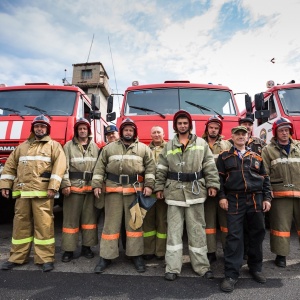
x,y
185,175
79,212
282,161
33,172
127,166
213,213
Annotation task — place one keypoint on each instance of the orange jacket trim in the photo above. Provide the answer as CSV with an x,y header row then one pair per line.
x,y
89,226
210,230
134,234
70,230
120,189
224,229
286,194
110,236
81,190
280,233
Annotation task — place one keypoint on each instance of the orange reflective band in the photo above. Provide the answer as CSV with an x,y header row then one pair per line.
x,y
286,194
120,189
134,234
70,230
110,236
224,229
280,233
80,190
211,231
89,226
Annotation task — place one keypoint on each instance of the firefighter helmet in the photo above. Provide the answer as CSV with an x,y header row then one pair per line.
x,y
280,122
130,123
82,121
214,119
42,119
182,114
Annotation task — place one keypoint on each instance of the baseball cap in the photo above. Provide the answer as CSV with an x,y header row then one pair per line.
x,y
239,128
110,128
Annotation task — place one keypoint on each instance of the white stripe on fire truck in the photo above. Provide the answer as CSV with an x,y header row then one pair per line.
x,y
16,130
3,128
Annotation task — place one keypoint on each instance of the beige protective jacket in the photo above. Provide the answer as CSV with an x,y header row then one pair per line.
x,y
34,167
194,158
118,160
283,168
79,161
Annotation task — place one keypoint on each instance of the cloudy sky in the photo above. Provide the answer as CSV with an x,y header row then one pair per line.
x,y
218,41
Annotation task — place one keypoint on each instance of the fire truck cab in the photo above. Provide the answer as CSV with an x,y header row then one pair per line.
x,y
278,101
19,105
155,105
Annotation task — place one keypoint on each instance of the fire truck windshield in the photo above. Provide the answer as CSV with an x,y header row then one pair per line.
x,y
290,100
26,102
169,100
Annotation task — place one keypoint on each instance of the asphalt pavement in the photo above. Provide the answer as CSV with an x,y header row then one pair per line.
x,y
76,280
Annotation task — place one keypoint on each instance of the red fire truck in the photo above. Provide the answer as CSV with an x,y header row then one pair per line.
x,y
19,105
277,101
155,104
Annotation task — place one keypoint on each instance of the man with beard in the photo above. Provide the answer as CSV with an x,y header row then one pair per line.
x,y
33,172
213,212
79,211
127,166
186,173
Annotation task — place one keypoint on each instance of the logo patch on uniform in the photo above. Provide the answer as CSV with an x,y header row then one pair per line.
x,y
259,149
263,134
256,164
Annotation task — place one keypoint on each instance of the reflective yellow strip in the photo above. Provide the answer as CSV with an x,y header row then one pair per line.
x,y
21,241
44,242
196,148
33,194
178,150
150,233
16,193
161,235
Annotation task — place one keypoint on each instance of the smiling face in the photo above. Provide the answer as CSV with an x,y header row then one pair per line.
x,y
157,135
239,138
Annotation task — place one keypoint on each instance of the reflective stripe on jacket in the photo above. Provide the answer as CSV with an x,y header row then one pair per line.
x,y
115,158
79,160
194,158
283,168
26,165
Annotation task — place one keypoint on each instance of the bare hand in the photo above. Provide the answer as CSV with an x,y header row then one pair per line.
x,y
66,191
97,192
147,191
224,204
266,206
51,193
160,195
5,193
212,192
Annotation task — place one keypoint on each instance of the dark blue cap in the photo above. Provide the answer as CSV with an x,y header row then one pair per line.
x,y
110,128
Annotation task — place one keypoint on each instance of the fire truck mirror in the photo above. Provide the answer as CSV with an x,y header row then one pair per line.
x,y
96,115
248,103
95,102
111,117
110,104
259,101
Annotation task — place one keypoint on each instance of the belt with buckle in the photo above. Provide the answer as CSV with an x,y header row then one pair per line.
x,y
179,176
124,179
81,175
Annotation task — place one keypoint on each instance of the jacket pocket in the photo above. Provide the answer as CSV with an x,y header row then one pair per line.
x,y
230,162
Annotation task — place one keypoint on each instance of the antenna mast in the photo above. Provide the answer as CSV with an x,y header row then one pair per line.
x,y
90,49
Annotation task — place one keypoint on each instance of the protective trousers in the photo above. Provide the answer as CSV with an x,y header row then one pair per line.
x,y
33,223
282,213
195,226
115,204
79,214
242,206
155,229
214,214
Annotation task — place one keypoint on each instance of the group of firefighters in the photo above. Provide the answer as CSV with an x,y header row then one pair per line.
x,y
197,182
